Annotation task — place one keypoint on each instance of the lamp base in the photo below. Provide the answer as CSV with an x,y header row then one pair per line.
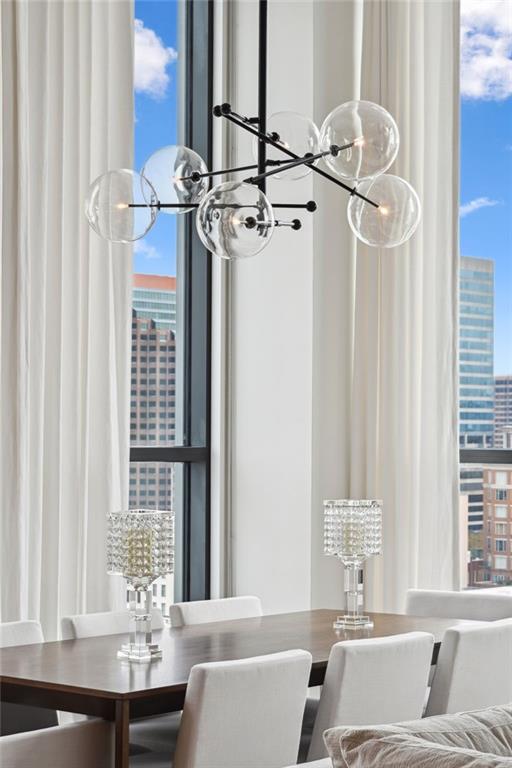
x,y
141,654
353,622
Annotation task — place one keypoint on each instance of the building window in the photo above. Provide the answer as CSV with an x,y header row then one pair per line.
x,y
166,288
485,319
500,563
501,545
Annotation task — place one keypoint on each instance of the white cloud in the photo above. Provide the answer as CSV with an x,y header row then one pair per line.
x,y
474,205
152,58
146,249
486,49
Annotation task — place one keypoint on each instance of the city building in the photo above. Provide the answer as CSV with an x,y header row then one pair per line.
x,y
476,380
503,411
153,386
498,523
153,400
154,298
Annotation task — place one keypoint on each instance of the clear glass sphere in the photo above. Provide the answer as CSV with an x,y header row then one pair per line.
x,y
169,170
108,206
396,218
235,220
297,133
374,132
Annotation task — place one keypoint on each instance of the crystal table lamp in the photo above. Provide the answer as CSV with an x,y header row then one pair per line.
x,y
140,547
353,532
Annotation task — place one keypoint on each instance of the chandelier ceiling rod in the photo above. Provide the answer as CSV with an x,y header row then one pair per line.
x,y
262,92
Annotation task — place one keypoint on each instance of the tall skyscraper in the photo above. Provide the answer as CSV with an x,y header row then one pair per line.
x,y
503,411
476,379
153,386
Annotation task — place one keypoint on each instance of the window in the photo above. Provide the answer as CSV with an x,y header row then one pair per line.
x,y
500,529
501,545
171,301
485,310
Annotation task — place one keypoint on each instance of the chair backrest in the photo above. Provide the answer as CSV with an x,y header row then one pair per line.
x,y
104,623
474,668
18,718
244,713
77,745
226,609
370,682
475,605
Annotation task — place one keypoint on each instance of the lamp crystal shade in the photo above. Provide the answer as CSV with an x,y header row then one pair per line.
x,y
396,218
298,134
375,136
353,529
140,545
235,220
170,172
118,206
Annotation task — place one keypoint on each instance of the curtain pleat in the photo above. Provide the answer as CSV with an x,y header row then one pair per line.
x,y
67,117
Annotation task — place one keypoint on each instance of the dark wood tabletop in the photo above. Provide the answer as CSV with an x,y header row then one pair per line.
x,y
86,676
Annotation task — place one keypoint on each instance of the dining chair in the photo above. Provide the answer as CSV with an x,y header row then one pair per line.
x,y
103,623
158,733
373,681
78,745
241,713
223,609
475,605
18,718
474,668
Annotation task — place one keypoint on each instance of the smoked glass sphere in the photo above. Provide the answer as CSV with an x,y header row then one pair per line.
x,y
171,171
235,220
375,136
118,206
297,133
396,218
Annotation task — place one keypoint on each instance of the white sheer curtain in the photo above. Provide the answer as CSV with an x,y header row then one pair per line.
x,y
67,116
388,345
404,393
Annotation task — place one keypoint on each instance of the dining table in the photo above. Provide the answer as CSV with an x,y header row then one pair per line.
x,y
85,676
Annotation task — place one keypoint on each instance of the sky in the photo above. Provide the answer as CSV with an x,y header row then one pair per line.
x,y
486,140
156,79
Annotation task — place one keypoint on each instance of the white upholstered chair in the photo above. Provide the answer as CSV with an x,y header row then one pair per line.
x,y
474,668
157,733
375,681
245,713
18,718
475,605
78,745
224,609
104,623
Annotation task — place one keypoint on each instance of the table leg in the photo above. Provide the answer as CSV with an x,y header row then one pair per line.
x,y
122,745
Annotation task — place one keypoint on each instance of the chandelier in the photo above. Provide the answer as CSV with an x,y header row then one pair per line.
x,y
355,146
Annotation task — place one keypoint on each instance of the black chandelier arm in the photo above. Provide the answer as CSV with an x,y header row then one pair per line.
x,y
310,206
306,160
251,223
267,139
196,176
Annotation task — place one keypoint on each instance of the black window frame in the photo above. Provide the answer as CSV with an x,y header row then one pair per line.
x,y
192,455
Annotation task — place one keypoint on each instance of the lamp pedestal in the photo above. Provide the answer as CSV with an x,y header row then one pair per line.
x,y
353,618
140,648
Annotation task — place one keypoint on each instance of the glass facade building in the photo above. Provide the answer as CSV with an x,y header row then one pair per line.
x,y
476,374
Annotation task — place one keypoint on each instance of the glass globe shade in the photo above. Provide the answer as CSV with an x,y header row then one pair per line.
x,y
374,132
396,218
169,171
297,133
235,220
108,206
